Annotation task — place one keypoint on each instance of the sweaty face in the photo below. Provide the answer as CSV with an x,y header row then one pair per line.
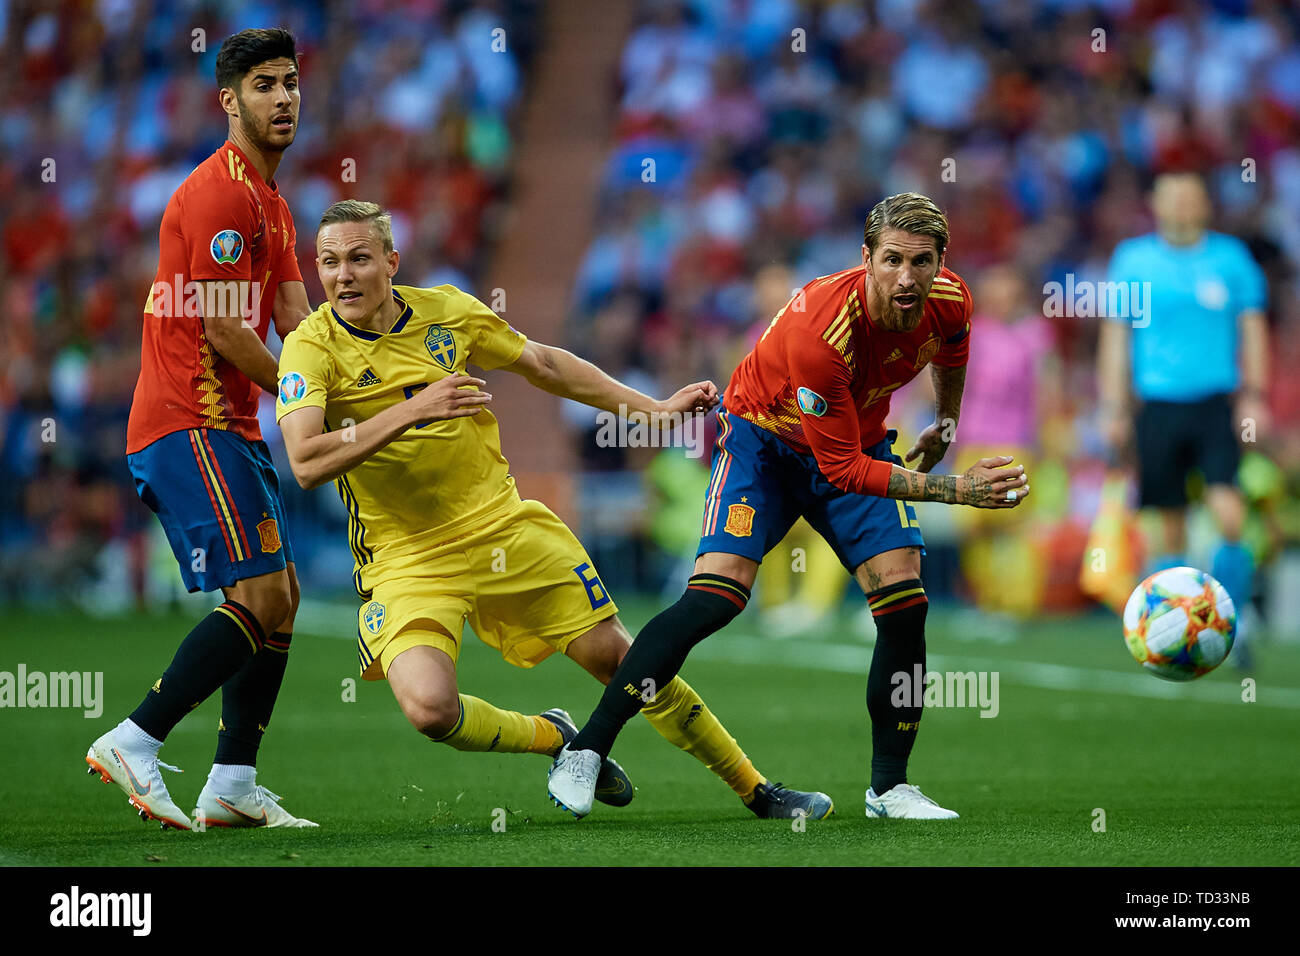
x,y
268,101
355,271
901,271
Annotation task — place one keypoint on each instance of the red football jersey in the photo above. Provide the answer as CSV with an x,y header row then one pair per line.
x,y
821,376
223,223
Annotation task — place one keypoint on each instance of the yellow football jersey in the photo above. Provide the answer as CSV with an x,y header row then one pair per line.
x,y
438,480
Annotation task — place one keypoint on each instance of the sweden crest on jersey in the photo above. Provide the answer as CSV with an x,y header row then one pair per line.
x,y
442,346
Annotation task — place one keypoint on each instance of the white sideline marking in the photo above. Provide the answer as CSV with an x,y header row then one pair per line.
x,y
332,620
856,659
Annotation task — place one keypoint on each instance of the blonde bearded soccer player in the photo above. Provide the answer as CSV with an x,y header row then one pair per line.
x,y
374,396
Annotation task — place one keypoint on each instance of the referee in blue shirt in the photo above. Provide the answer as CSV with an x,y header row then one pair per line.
x,y
1186,379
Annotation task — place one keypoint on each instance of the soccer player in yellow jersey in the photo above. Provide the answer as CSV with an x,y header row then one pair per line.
x,y
373,395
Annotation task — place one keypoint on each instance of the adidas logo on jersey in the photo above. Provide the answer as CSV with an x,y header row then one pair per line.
x,y
368,377
894,356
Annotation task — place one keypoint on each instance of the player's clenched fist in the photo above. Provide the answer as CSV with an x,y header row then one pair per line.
x,y
993,483
456,396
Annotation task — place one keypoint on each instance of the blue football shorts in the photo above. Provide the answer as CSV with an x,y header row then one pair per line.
x,y
761,486
218,498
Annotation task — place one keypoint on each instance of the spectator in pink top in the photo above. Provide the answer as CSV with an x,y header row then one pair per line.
x,y
1009,345
1009,394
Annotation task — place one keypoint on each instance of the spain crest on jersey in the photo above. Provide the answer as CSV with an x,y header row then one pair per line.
x,y
740,521
442,346
928,350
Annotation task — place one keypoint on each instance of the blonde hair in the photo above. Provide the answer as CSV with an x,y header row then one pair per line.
x,y
357,210
910,212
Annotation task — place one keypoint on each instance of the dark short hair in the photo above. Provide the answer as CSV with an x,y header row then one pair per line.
x,y
243,51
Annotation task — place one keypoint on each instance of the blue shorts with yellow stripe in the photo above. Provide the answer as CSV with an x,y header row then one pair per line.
x,y
761,486
218,498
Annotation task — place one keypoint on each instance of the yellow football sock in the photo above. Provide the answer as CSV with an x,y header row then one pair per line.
x,y
681,718
483,727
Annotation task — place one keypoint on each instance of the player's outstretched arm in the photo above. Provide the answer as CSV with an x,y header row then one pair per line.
x,y
988,483
562,373
317,456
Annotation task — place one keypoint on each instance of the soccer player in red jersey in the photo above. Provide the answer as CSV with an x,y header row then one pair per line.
x,y
227,268
802,432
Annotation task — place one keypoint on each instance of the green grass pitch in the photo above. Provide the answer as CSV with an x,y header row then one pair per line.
x,y
1186,775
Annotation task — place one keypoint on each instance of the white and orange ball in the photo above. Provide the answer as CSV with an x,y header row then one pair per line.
x,y
1180,624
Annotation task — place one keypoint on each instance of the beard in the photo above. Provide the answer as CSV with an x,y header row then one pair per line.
x,y
259,134
898,319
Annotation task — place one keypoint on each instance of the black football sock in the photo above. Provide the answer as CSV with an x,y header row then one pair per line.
x,y
247,700
219,645
899,611
657,654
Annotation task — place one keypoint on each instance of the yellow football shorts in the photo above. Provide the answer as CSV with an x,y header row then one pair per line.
x,y
522,580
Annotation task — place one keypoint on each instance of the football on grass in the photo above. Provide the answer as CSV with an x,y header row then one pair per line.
x,y
1180,623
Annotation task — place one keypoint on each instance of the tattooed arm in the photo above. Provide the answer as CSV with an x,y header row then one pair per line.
x,y
835,437
984,485
932,444
949,383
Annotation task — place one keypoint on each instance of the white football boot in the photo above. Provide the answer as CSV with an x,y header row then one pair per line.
x,y
257,807
119,759
905,802
613,785
571,781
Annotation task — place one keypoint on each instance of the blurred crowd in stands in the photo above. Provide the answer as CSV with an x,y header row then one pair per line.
x,y
749,139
